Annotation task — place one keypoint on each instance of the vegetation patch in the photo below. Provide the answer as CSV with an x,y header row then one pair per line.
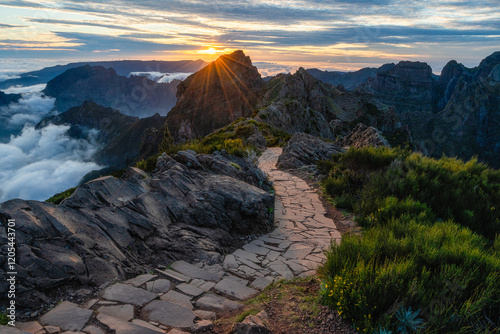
x,y
59,197
428,260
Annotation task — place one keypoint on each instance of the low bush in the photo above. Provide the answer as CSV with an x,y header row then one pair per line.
x,y
428,260
59,197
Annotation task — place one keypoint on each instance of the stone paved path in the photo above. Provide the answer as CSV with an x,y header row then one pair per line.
x,y
174,300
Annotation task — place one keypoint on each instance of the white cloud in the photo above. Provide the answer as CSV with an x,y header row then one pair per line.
x,y
41,162
4,77
162,77
271,69
25,89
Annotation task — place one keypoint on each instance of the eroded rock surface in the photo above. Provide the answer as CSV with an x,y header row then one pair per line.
x,y
192,207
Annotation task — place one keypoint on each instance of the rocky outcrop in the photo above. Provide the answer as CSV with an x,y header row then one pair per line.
x,y
303,150
122,139
192,207
215,96
134,96
363,136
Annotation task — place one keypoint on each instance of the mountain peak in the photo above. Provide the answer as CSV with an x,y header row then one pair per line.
x,y
215,96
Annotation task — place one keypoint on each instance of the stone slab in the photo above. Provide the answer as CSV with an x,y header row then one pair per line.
x,y
128,294
11,330
261,283
140,280
168,314
189,289
211,302
193,271
147,325
159,286
122,327
67,316
178,277
234,289
178,298
122,312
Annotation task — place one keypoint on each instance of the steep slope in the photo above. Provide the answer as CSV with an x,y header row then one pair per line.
x,y
123,139
215,96
469,124
6,99
135,96
122,67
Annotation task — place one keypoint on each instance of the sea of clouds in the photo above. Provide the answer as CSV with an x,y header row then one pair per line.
x,y
161,77
38,163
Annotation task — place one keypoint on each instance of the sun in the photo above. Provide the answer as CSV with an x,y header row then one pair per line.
x,y
210,51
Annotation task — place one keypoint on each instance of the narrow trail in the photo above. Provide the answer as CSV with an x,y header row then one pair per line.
x,y
171,299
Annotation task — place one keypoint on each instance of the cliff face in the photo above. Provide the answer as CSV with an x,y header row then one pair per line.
x,y
6,99
134,96
192,207
122,139
469,124
215,96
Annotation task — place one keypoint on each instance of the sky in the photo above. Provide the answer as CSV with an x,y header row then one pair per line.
x,y
328,34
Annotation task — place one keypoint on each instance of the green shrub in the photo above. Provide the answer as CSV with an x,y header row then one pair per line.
x,y
148,164
59,197
431,243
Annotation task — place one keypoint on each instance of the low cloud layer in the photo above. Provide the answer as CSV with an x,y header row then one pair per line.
x,y
38,163
30,109
161,77
41,162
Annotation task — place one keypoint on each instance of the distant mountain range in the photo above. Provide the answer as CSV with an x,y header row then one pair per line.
x,y
121,67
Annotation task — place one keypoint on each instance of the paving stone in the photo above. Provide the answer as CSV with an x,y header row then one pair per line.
x,y
178,298
249,263
252,248
128,294
122,327
240,253
140,280
282,269
296,267
159,286
93,330
168,314
273,255
246,270
206,315
237,279
297,251
53,329
230,262
122,312
67,316
261,283
202,326
189,289
31,327
234,289
211,302
285,244
11,330
193,271
146,324
270,240
204,285
178,277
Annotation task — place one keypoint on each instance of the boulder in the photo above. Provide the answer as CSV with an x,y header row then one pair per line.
x,y
303,150
363,136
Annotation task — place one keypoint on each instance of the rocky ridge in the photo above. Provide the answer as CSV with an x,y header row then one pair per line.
x,y
192,207
189,296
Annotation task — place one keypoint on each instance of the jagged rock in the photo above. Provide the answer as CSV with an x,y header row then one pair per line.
x,y
304,149
363,136
113,227
215,96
